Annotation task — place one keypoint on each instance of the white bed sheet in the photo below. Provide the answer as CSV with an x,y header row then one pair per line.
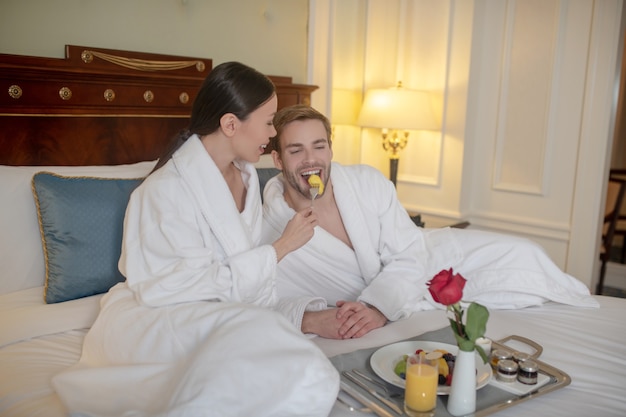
x,y
588,344
24,315
27,368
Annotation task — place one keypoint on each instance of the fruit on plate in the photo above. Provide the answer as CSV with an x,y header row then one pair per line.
x,y
400,368
445,365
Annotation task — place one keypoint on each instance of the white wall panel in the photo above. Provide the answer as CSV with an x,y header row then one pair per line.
x,y
527,140
525,96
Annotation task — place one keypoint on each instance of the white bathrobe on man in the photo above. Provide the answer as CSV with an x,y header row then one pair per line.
x,y
192,331
393,259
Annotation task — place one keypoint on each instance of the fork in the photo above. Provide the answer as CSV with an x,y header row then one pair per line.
x,y
376,382
314,191
351,407
384,399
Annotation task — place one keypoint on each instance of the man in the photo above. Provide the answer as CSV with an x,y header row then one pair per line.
x,y
367,260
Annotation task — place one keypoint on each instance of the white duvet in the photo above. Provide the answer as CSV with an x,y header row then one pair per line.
x,y
209,377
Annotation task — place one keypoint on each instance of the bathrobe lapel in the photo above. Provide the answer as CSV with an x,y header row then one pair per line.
x,y
353,214
356,223
215,200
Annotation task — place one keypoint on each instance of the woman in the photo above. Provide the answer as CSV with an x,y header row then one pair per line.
x,y
187,333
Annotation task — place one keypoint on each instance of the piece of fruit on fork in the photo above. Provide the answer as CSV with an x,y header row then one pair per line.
x,y
316,182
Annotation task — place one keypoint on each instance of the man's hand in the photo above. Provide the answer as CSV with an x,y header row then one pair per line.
x,y
358,319
323,323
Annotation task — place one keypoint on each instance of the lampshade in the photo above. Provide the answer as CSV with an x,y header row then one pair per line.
x,y
398,108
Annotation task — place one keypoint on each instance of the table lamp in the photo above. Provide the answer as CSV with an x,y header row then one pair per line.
x,y
397,110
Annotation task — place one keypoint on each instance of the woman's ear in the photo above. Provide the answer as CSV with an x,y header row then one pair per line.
x,y
229,123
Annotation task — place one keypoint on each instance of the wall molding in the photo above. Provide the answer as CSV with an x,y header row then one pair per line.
x,y
559,232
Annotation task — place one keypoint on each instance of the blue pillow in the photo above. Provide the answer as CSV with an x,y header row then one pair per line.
x,y
81,223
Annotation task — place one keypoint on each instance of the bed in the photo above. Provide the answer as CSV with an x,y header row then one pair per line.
x,y
108,114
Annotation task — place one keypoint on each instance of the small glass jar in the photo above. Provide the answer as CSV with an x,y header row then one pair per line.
x,y
528,372
507,370
498,355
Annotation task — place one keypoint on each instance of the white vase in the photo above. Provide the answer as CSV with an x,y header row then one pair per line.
x,y
462,398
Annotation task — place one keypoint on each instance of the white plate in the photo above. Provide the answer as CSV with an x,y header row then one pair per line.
x,y
384,360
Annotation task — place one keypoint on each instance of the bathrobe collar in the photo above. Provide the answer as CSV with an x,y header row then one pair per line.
x,y
351,209
208,187
278,213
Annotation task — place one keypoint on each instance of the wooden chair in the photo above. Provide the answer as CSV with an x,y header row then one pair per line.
x,y
614,199
620,227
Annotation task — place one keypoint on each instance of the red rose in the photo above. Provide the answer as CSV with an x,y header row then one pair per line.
x,y
447,287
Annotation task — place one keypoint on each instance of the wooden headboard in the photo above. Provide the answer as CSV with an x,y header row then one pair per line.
x,y
102,106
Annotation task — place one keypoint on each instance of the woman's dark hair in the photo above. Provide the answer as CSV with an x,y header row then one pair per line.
x,y
231,87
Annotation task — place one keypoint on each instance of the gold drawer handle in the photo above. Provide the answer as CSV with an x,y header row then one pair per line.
x,y
109,94
65,93
15,91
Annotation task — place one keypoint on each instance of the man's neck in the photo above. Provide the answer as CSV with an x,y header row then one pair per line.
x,y
325,206
298,202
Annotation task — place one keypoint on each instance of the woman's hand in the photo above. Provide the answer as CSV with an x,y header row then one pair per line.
x,y
299,230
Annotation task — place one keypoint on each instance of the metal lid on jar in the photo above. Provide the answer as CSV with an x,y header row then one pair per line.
x,y
507,366
529,365
501,354
520,356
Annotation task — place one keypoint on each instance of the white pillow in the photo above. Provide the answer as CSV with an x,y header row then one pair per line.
x,y
21,253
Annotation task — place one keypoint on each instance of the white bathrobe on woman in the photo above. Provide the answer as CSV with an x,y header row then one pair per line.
x,y
191,332
392,259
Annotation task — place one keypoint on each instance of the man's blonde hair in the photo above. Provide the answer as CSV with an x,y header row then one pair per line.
x,y
290,114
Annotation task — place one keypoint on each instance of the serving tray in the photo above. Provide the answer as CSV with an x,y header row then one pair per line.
x,y
491,403
489,399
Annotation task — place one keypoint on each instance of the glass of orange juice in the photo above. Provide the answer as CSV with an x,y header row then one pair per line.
x,y
422,379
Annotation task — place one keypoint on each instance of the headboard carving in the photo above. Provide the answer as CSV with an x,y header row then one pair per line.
x,y
102,106
141,64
